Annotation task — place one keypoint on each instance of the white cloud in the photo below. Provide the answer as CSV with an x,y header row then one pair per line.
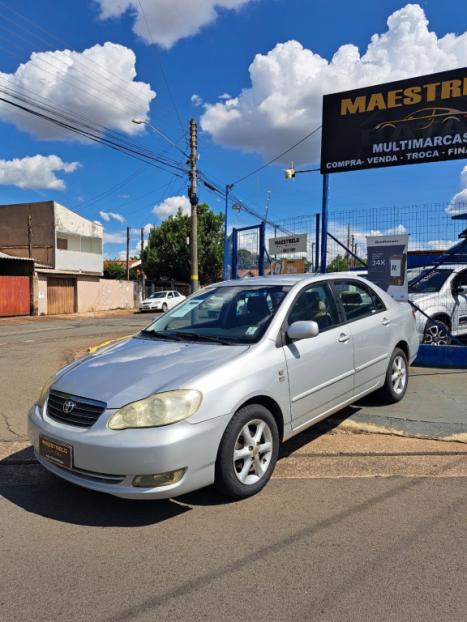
x,y
35,172
114,238
225,96
166,21
284,101
458,203
111,216
196,100
148,228
171,205
97,84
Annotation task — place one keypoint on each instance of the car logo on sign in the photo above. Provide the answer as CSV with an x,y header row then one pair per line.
x,y
68,406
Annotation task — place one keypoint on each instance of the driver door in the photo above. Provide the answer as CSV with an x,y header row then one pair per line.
x,y
320,369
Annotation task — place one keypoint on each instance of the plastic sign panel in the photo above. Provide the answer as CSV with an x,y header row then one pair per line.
x,y
288,244
387,264
288,266
422,119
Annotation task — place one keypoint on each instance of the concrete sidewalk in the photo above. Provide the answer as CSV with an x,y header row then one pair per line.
x,y
435,407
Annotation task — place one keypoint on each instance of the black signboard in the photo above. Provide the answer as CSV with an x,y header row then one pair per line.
x,y
412,121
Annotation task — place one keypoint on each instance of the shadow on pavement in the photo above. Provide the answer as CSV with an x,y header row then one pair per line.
x,y
28,485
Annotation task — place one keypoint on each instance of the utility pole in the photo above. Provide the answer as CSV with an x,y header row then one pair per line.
x,y
128,253
141,268
30,236
194,204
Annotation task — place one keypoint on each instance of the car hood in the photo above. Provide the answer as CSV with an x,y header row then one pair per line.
x,y
422,296
148,300
133,369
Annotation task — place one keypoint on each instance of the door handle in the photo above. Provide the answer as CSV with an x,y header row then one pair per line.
x,y
385,321
343,338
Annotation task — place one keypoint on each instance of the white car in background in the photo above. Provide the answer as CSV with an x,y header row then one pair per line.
x,y
441,293
161,301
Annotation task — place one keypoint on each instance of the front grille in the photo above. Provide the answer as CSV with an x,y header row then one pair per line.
x,y
84,414
104,478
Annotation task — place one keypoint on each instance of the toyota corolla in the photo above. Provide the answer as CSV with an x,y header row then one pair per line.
x,y
208,392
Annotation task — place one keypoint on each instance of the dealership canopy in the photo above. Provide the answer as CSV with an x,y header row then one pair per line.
x,y
422,119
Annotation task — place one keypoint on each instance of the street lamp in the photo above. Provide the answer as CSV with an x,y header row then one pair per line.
x,y
158,131
290,173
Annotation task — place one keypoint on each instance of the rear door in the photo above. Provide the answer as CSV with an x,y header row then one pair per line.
x,y
320,369
370,324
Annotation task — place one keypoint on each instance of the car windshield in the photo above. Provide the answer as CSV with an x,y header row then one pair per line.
x,y
227,315
158,295
431,281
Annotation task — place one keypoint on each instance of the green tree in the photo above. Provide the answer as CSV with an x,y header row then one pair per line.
x,y
113,270
247,259
338,264
168,254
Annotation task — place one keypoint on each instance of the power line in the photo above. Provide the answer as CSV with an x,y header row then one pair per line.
x,y
260,168
164,77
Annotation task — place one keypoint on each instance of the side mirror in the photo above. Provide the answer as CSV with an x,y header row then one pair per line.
x,y
460,289
302,330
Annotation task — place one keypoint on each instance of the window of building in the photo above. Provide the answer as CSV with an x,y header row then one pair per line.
x,y
62,244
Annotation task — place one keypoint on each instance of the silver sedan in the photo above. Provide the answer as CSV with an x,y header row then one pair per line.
x,y
208,392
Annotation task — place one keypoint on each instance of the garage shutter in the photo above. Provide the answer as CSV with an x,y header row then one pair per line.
x,y
60,296
14,295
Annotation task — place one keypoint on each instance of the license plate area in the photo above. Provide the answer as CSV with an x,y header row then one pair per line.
x,y
56,452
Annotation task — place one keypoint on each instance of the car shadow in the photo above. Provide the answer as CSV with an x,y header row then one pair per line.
x,y
24,482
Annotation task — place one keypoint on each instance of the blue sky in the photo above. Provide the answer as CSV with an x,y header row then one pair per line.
x,y
209,63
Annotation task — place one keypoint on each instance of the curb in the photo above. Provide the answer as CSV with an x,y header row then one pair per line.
x,y
366,424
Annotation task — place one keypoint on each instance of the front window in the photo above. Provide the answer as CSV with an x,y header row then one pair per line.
x,y
229,315
431,281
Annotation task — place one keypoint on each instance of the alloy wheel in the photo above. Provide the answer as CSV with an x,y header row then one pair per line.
x,y
253,451
398,374
435,336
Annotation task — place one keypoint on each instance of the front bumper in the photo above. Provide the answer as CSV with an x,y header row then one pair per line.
x,y
108,460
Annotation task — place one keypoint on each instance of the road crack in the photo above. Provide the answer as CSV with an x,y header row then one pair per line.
x,y
20,437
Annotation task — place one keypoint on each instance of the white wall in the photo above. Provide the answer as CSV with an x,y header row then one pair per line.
x,y
76,261
74,228
96,294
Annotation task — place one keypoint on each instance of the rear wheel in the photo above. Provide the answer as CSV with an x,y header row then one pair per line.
x,y
436,334
247,453
397,376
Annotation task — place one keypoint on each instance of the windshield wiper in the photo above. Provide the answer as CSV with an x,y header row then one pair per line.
x,y
158,334
210,338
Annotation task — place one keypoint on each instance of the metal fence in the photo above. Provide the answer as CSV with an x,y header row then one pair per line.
x,y
435,229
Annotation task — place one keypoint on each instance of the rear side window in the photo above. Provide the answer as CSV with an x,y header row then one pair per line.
x,y
358,300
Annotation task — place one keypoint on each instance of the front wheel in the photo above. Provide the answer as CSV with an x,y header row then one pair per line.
x,y
164,307
397,376
247,453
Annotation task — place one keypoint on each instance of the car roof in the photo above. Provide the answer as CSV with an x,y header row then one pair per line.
x,y
288,279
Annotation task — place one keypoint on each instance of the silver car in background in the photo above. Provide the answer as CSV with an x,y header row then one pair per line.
x,y
208,392
441,294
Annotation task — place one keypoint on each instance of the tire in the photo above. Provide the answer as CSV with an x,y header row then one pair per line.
x,y
436,334
397,376
164,307
234,478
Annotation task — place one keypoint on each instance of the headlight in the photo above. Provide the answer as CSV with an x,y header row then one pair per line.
x,y
45,391
157,410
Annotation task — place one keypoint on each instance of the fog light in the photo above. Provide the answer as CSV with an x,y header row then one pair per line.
x,y
158,479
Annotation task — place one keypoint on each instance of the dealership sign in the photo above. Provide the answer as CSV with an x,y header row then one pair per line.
x,y
387,264
411,121
288,244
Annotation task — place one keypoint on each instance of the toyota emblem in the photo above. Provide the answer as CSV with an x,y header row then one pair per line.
x,y
68,406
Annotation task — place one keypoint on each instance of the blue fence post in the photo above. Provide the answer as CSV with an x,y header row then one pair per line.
x,y
228,188
317,221
262,240
324,223
234,253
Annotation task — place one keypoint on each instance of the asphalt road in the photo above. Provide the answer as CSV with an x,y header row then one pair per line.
x,y
350,528
31,351
389,549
